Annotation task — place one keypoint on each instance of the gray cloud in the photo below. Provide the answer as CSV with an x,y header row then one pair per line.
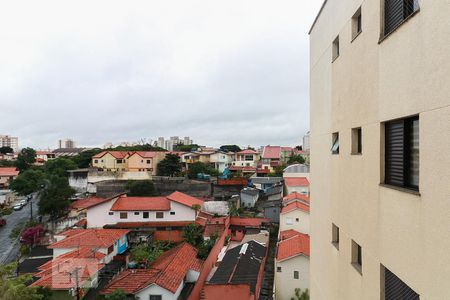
x,y
220,72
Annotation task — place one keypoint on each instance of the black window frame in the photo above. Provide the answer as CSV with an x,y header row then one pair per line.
x,y
145,215
397,161
393,287
159,215
356,24
356,141
123,214
296,275
396,12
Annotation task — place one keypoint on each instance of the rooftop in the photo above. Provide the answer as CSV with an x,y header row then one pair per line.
x,y
296,181
293,246
88,202
9,172
102,238
295,206
125,203
271,152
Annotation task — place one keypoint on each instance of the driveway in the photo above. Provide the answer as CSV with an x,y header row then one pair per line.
x,y
9,248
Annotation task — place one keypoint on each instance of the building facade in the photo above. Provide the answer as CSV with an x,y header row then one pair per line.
x,y
380,124
9,141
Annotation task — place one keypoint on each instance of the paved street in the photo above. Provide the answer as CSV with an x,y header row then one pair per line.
x,y
8,247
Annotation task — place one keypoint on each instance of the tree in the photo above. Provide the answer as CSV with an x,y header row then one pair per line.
x,y
118,294
13,288
140,188
206,247
301,295
230,148
185,148
84,158
169,166
28,182
59,166
296,159
25,159
32,235
277,171
193,234
55,197
6,150
199,167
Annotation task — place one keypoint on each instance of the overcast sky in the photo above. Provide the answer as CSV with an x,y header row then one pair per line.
x,y
102,71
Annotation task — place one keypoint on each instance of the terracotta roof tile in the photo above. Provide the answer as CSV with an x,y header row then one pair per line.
x,y
102,238
294,206
296,181
9,172
168,272
150,224
296,196
184,199
271,152
247,151
125,203
88,202
116,154
296,245
286,234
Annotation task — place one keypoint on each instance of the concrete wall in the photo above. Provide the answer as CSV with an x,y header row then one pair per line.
x,y
373,81
285,283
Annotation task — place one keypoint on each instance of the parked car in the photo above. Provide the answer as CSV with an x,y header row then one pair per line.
x,y
23,202
29,197
2,222
17,207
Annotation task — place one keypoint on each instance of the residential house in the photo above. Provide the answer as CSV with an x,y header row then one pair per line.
x,y
246,158
111,161
272,210
7,197
295,197
271,157
80,207
7,175
379,142
171,275
291,264
109,242
296,170
264,183
274,193
221,160
45,155
295,215
144,161
249,196
297,184
239,273
68,152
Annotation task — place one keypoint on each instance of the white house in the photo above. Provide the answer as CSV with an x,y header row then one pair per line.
x,y
297,184
246,158
164,280
175,207
295,216
249,196
291,264
221,160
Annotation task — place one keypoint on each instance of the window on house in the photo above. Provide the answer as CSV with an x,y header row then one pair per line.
x,y
356,24
394,288
357,140
124,215
335,143
357,256
96,161
297,219
136,213
335,235
145,215
396,11
155,297
119,161
335,48
111,213
159,214
148,161
296,275
402,153
110,249
249,157
278,269
172,213
289,221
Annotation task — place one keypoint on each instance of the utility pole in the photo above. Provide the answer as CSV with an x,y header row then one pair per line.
x,y
31,209
77,281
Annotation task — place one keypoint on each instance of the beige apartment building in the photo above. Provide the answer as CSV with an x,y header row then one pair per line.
x,y
380,141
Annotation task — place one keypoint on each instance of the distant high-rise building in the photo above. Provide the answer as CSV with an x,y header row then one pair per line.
x,y
306,146
170,143
67,143
9,141
187,141
160,142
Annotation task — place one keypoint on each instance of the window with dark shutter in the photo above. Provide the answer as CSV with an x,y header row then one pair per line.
x,y
396,11
395,288
402,153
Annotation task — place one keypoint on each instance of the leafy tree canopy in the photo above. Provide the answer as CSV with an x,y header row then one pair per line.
x,y
193,234
169,166
25,159
296,159
6,150
55,197
28,182
59,166
230,148
301,295
83,159
185,148
199,167
140,188
118,294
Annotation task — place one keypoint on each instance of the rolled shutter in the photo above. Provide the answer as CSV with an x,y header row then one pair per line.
x,y
395,153
395,288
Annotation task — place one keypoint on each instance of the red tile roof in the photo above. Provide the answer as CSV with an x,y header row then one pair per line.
x,y
102,238
55,274
296,195
43,153
296,245
286,234
296,181
168,272
9,172
184,199
245,169
271,152
88,202
247,151
125,203
287,149
145,154
116,154
150,224
251,222
294,206
81,223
